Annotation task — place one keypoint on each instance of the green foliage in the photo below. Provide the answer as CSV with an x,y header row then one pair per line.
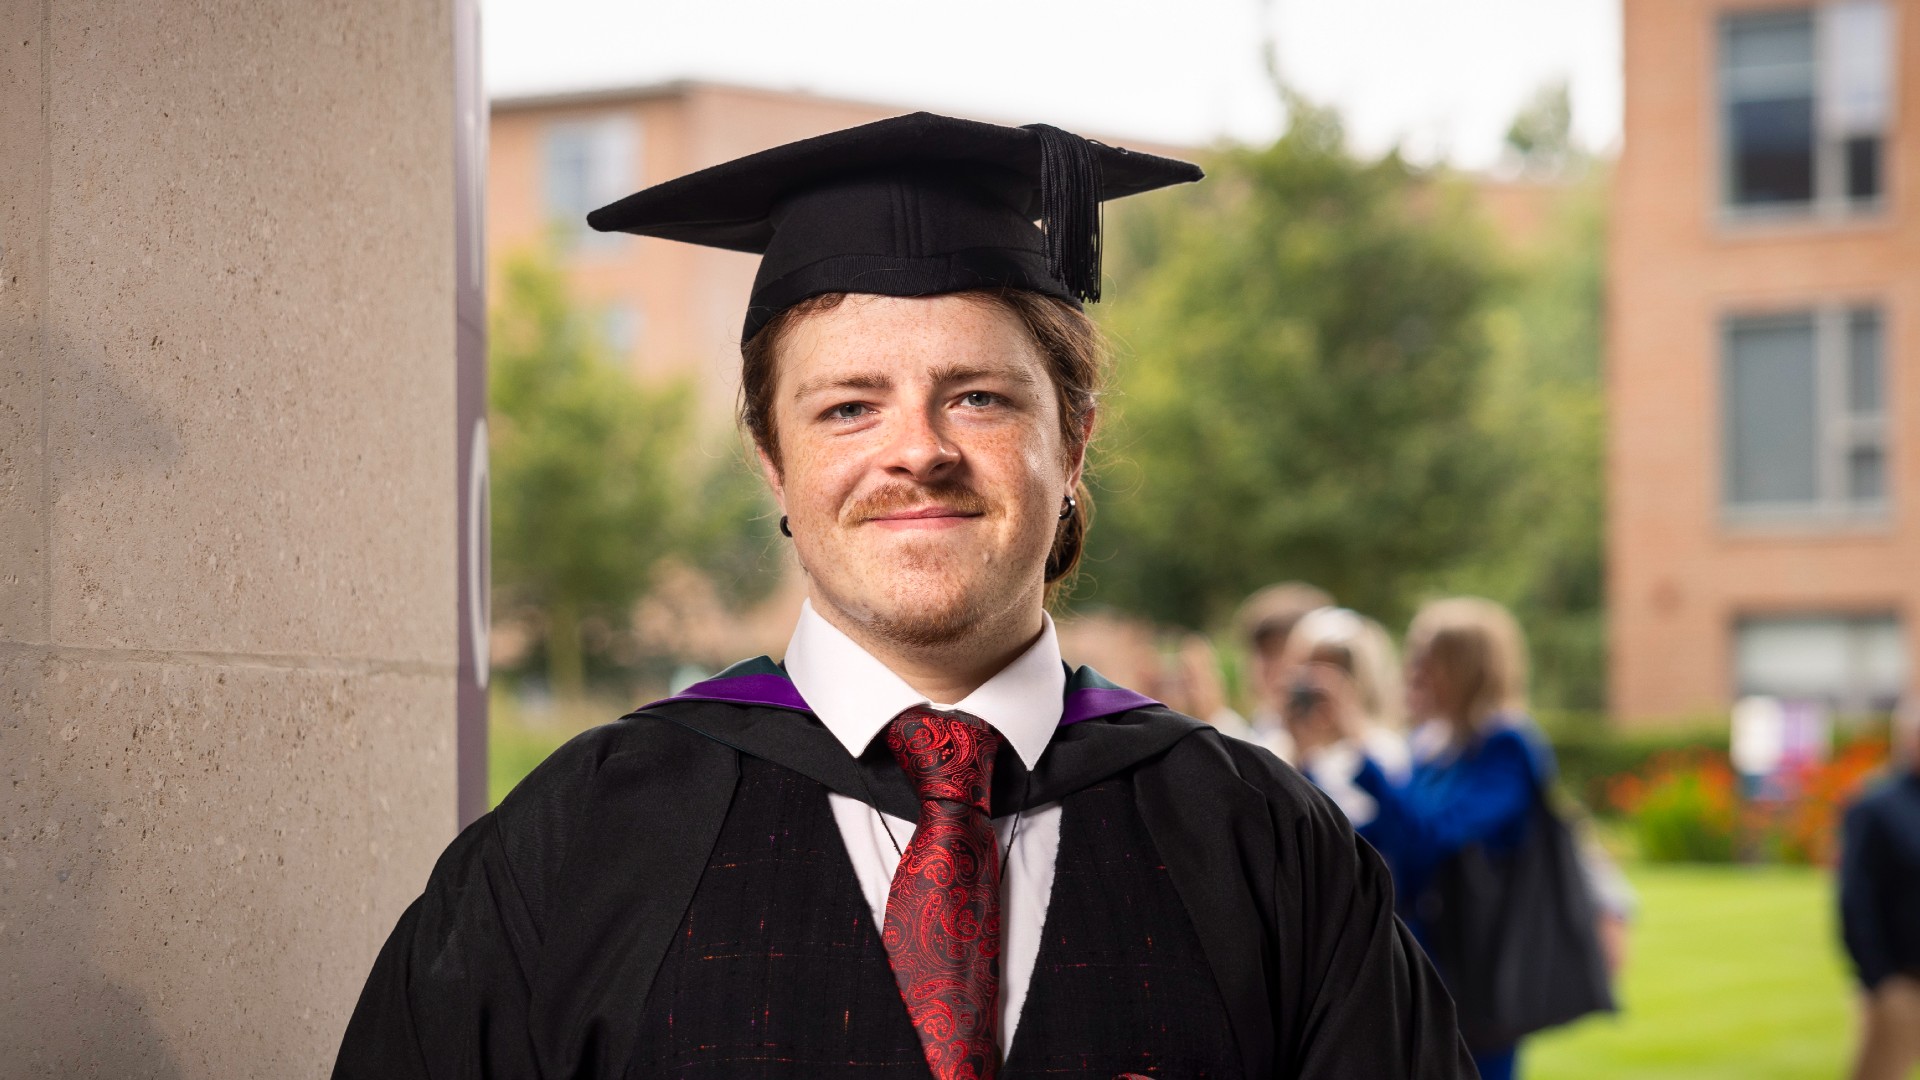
x,y
596,476
1591,754
1329,372
732,539
1687,815
1301,356
1544,401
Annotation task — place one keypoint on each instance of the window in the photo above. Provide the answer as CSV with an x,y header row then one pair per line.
x,y
1806,95
588,164
1856,663
1804,415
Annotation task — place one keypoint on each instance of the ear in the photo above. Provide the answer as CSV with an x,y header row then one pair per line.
x,y
1078,455
770,472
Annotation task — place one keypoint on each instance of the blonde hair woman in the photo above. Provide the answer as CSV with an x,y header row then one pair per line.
x,y
1477,761
1466,668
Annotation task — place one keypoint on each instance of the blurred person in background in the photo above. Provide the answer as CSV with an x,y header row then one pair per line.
x,y
1479,769
1266,619
1190,683
1339,661
1880,908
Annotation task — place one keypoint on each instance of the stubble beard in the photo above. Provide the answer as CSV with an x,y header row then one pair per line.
x,y
927,602
925,605
932,610
925,596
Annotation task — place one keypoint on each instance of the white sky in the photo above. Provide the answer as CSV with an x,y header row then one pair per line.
x,y
1441,78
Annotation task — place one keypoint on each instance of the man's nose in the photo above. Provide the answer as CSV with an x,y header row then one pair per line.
x,y
920,449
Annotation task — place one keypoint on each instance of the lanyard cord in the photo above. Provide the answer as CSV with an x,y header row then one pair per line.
x,y
1026,792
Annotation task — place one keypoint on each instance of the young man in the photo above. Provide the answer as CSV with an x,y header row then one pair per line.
x,y
1880,909
1266,621
921,845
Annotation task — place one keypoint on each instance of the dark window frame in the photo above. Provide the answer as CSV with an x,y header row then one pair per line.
x,y
1846,421
1832,155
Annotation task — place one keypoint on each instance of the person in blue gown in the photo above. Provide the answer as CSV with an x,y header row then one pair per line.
x,y
1477,758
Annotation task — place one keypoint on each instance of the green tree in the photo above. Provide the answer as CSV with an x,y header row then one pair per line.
x,y
1545,397
1301,360
593,472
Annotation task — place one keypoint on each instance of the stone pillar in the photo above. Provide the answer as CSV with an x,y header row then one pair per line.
x,y
227,521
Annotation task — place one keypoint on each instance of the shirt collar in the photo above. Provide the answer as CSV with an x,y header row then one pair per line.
x,y
856,696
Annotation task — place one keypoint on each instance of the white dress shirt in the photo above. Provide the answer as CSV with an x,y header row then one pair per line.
x,y
856,696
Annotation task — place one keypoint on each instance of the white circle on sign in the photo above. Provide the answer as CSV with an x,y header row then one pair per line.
x,y
479,581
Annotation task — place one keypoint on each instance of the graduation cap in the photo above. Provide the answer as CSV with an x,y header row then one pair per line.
x,y
910,206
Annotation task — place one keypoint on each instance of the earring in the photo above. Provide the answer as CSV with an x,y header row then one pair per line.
x,y
1066,511
784,531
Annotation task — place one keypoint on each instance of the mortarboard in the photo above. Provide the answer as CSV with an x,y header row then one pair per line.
x,y
910,206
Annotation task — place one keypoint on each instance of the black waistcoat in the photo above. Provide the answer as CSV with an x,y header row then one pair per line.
x,y
777,970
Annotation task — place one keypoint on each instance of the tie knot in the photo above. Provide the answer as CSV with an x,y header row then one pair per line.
x,y
946,755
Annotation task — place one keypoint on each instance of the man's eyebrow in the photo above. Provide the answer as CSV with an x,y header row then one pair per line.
x,y
824,383
953,373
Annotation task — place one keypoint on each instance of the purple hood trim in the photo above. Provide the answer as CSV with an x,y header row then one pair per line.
x,y
1090,702
775,690
1083,703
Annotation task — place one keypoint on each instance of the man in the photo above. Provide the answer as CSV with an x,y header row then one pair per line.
x,y
1880,909
1266,621
921,845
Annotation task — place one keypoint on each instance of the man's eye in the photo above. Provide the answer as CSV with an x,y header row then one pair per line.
x,y
852,410
980,399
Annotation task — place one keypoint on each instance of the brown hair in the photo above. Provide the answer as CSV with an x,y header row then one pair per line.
x,y
1076,356
1479,645
1268,616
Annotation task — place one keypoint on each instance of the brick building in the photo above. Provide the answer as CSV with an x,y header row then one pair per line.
x,y
1764,325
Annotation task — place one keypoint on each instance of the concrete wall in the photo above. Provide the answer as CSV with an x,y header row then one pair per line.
x,y
227,584
1680,575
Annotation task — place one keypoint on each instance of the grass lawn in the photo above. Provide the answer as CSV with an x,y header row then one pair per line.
x,y
1733,972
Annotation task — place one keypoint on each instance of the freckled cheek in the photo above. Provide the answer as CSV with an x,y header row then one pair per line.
x,y
1044,466
818,481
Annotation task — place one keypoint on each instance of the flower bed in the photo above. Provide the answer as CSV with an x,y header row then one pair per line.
x,y
1688,806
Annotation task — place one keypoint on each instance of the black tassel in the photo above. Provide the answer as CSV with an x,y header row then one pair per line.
x,y
1070,209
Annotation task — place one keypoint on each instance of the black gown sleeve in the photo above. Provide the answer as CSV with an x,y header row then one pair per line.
x,y
543,923
1357,996
448,996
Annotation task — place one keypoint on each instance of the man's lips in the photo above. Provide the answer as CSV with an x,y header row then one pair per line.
x,y
924,517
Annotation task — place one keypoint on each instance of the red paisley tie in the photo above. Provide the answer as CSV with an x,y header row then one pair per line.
x,y
943,911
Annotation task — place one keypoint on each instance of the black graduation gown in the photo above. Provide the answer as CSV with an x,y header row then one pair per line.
x,y
544,922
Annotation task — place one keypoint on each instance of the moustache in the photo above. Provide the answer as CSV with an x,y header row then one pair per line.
x,y
896,497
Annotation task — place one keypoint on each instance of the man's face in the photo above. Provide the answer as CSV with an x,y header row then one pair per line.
x,y
1272,673
922,465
